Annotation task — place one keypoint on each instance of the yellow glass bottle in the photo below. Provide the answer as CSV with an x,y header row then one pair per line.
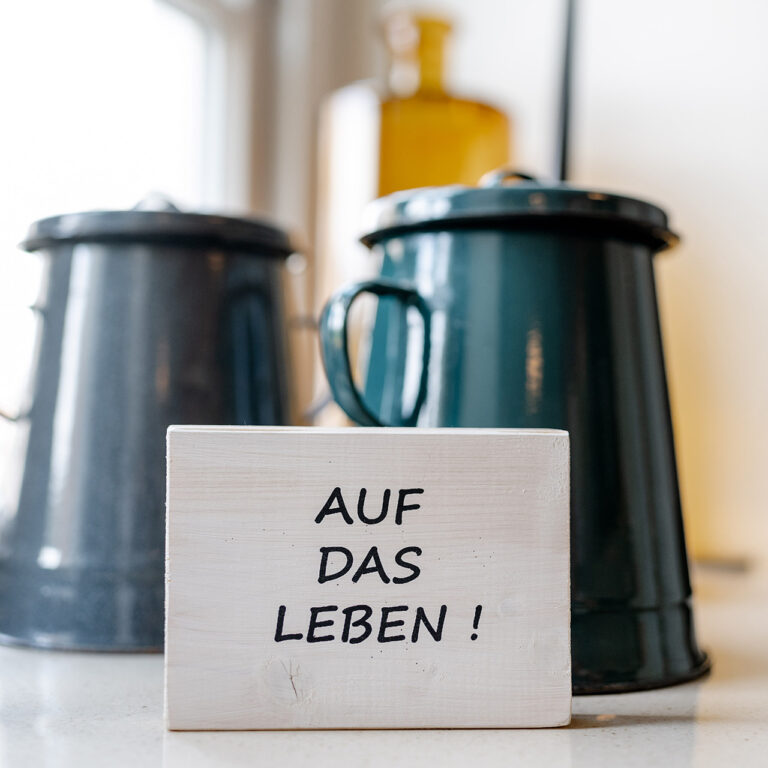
x,y
428,136
375,140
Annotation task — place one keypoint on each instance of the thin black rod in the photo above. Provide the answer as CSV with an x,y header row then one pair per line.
x,y
564,118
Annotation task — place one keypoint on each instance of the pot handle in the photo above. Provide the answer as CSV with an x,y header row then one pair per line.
x,y
24,412
252,362
335,350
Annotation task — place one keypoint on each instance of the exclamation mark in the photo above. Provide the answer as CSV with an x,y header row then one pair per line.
x,y
478,611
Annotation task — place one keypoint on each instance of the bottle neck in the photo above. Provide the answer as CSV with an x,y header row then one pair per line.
x,y
431,61
417,49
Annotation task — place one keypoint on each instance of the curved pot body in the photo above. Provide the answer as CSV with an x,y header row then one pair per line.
x,y
550,321
134,336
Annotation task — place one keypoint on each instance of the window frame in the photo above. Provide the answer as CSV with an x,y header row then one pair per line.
x,y
237,65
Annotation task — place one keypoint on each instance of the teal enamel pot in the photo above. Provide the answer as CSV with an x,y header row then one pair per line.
x,y
527,305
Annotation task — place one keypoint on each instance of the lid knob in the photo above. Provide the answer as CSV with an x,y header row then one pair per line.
x,y
156,201
498,177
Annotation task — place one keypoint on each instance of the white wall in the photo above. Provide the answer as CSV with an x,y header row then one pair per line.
x,y
671,103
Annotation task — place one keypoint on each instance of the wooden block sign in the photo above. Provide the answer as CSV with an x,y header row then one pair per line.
x,y
367,578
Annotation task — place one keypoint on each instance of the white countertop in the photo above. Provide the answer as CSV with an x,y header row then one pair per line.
x,y
61,709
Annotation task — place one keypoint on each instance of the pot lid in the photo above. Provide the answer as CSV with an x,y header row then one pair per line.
x,y
527,203
168,226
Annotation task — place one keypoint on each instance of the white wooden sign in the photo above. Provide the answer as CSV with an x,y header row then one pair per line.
x,y
367,578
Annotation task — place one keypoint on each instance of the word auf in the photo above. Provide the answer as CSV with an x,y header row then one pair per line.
x,y
337,505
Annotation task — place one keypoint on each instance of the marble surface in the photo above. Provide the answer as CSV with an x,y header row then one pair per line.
x,y
62,709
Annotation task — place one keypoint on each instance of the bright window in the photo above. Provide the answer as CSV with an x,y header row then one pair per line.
x,y
103,103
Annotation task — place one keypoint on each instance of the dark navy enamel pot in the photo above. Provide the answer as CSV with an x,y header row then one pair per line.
x,y
527,305
145,319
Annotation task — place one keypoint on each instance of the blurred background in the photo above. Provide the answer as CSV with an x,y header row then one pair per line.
x,y
218,105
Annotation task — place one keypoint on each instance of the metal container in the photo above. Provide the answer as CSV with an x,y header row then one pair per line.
x,y
148,318
536,307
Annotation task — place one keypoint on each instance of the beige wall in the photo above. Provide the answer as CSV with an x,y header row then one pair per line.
x,y
671,103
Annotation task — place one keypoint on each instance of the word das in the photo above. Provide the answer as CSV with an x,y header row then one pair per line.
x,y
356,625
371,563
